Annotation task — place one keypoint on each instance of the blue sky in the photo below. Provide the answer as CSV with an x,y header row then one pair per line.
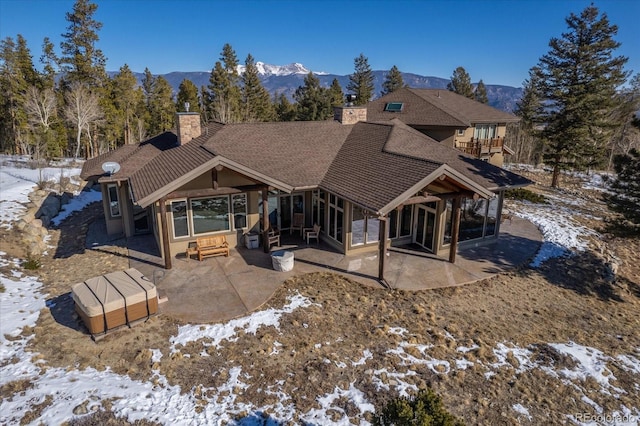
x,y
497,41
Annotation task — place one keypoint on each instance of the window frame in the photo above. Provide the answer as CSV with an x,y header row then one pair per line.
x,y
116,201
173,222
233,211
193,229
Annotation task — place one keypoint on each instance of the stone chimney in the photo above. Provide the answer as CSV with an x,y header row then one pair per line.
x,y
350,114
187,126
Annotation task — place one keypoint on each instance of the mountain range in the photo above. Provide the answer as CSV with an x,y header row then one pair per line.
x,y
287,78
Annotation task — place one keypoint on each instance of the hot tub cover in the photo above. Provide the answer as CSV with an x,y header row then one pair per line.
x,y
112,291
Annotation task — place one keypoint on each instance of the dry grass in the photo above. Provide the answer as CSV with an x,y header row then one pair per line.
x,y
567,299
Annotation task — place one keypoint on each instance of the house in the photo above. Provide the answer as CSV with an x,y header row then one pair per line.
x,y
367,184
454,120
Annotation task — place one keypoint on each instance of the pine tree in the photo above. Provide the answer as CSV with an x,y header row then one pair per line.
x,y
625,189
81,60
223,87
528,146
284,110
336,95
481,93
627,132
361,81
187,92
578,81
50,64
393,81
256,102
461,83
125,98
17,74
313,103
163,108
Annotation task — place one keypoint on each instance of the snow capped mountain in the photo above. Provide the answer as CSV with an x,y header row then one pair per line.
x,y
279,70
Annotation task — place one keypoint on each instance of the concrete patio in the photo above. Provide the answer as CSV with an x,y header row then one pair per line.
x,y
222,288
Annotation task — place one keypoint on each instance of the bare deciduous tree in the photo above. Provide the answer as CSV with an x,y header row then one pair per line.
x,y
40,106
81,110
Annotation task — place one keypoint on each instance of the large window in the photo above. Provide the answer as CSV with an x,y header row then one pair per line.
x,y
336,217
400,222
114,201
179,213
197,216
485,131
239,211
319,208
210,214
478,219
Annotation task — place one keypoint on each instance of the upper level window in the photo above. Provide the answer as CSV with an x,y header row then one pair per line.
x,y
114,202
485,131
460,132
394,106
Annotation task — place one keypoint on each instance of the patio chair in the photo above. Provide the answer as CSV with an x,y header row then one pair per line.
x,y
298,223
274,237
315,233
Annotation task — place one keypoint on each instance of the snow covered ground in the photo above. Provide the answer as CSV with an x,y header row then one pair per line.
x,y
65,389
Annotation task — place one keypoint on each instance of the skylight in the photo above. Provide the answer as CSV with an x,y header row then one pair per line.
x,y
394,106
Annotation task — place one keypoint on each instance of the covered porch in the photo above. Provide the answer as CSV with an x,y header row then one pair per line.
x,y
222,288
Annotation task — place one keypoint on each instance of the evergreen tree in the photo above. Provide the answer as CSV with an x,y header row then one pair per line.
x,y
256,102
162,106
481,93
223,87
17,74
50,64
625,189
335,93
284,110
81,60
627,132
527,144
187,92
578,81
393,81
313,102
361,81
125,97
461,83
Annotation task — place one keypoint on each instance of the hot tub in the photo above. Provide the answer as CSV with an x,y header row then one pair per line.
x,y
115,299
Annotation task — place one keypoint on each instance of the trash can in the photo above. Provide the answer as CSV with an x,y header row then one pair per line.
x,y
282,260
251,240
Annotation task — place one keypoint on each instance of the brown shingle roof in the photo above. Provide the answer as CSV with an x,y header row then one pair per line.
x,y
160,171
370,164
409,142
298,153
130,157
436,107
363,172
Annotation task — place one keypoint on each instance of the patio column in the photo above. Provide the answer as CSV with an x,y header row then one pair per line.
x,y
455,229
166,250
382,249
265,219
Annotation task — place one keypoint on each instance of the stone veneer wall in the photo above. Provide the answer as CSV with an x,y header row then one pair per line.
x,y
187,126
350,115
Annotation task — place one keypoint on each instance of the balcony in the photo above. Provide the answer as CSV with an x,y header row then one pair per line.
x,y
481,147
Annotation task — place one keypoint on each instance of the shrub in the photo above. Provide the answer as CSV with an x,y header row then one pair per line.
x,y
426,409
525,195
31,263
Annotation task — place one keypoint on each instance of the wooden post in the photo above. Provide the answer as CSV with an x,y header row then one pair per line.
x,y
265,219
382,249
166,250
455,229
214,178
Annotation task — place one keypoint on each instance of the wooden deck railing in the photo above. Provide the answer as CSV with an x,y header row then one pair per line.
x,y
480,147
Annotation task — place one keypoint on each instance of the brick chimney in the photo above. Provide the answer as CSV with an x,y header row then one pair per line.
x,y
350,114
187,126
